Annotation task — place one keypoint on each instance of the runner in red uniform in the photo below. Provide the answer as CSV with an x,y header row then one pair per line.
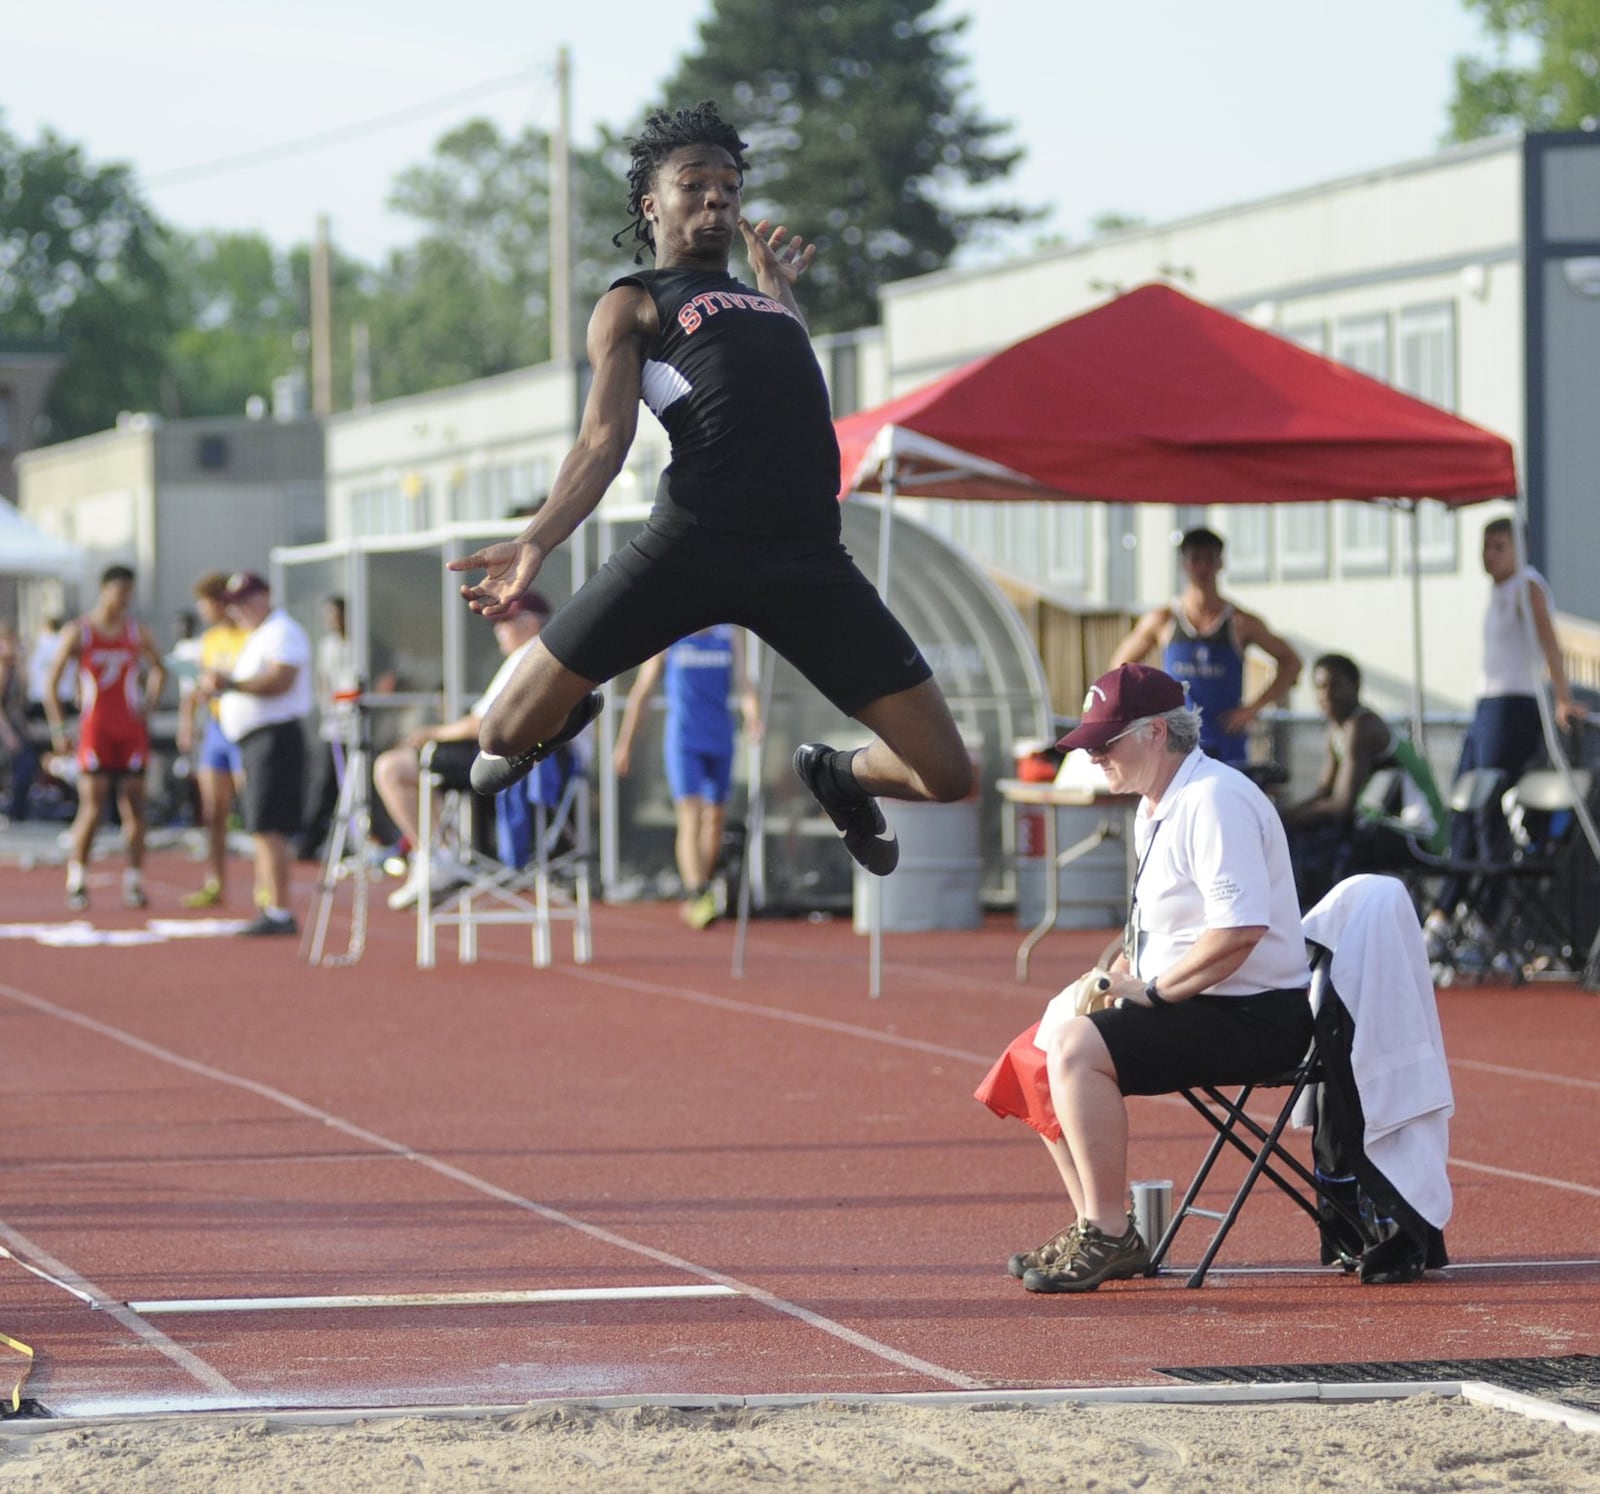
x,y
110,647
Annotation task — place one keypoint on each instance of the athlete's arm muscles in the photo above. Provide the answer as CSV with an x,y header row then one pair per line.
x,y
644,685
1567,710
619,332
621,329
155,680
1249,629
1146,636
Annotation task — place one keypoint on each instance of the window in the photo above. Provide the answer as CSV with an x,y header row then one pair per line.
x,y
1067,547
1427,368
1312,335
1365,529
1303,541
379,509
1249,535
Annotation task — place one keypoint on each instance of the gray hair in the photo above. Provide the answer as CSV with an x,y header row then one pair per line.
x,y
1183,728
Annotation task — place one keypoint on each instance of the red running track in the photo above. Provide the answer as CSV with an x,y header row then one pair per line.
x,y
208,1118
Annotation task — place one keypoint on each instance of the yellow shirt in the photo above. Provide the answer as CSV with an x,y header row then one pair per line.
x,y
219,648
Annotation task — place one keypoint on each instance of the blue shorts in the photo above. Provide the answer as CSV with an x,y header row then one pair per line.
x,y
217,752
697,774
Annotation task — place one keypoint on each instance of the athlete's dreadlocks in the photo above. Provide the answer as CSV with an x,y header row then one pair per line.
x,y
663,133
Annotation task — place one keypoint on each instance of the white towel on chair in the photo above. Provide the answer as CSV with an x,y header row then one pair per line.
x,y
1380,970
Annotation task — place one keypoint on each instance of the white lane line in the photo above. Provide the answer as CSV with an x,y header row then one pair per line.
x,y
427,1299
491,1190
1538,1075
1525,1177
62,1275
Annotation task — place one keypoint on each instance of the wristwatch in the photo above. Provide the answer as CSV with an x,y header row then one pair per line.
x,y
1153,996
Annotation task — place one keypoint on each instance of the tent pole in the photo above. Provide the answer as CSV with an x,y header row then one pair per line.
x,y
755,815
874,890
1417,693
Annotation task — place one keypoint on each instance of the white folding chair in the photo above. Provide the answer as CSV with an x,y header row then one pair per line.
x,y
552,885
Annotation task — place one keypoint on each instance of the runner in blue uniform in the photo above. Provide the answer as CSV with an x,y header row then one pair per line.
x,y
699,674
1203,639
746,526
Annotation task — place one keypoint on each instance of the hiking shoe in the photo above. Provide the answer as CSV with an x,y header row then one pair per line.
x,y
264,925
1095,1257
865,832
133,895
207,897
77,898
1054,1250
490,774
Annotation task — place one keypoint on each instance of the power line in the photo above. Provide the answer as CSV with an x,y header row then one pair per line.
x,y
340,134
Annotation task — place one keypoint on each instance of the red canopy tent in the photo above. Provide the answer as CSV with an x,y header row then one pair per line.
x,y
1156,397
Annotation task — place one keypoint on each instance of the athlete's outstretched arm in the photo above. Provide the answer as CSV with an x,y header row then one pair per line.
x,y
619,332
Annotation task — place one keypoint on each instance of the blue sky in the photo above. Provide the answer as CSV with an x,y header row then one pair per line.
x,y
1158,108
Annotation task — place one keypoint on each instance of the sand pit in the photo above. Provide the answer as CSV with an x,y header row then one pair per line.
x,y
1421,1444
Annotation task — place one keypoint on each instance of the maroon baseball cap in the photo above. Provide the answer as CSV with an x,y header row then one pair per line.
x,y
242,584
1128,693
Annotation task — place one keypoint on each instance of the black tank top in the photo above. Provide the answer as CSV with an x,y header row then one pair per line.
x,y
733,379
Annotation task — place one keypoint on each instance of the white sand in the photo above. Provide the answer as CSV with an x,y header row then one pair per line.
x,y
1419,1445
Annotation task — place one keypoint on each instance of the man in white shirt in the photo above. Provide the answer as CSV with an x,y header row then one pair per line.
x,y
397,772
1506,733
1211,985
262,701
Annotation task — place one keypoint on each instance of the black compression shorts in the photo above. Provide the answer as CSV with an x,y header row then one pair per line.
x,y
805,598
1205,1040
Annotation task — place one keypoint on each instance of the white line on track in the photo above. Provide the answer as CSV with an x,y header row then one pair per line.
x,y
195,1305
469,1180
64,1276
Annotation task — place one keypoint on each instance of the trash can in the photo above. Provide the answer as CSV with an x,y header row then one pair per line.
x,y
939,882
1093,889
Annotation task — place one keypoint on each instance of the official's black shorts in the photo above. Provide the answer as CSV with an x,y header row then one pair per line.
x,y
274,760
451,763
1205,1040
805,598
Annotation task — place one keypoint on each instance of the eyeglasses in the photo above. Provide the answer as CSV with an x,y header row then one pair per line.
x,y
1127,731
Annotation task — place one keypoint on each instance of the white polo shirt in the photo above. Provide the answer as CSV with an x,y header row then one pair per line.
x,y
279,640
1213,855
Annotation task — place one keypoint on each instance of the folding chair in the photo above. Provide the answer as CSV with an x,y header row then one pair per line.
x,y
540,877
1262,1146
1364,1219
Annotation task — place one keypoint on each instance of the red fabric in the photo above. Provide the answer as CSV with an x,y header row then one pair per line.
x,y
1018,1085
1158,398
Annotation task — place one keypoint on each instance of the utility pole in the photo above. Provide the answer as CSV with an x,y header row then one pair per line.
x,y
561,213
321,321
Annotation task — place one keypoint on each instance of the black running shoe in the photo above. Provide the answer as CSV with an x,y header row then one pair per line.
x,y
865,832
490,774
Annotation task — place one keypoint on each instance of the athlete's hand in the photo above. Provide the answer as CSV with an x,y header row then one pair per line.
x,y
509,569
769,252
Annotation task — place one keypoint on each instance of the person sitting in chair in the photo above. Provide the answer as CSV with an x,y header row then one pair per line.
x,y
1338,830
1210,986
397,772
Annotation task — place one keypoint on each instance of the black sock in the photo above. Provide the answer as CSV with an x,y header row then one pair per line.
x,y
844,779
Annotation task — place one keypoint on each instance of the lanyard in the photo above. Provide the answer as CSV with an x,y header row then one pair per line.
x,y
1130,930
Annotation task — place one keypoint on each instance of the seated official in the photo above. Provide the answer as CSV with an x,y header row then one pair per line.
x,y
1210,987
1337,831
397,773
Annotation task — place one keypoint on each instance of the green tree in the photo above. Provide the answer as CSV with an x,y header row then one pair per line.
x,y
81,264
472,296
861,137
1558,88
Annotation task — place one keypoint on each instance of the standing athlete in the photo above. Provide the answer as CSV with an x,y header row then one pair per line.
x,y
109,647
1203,638
746,524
